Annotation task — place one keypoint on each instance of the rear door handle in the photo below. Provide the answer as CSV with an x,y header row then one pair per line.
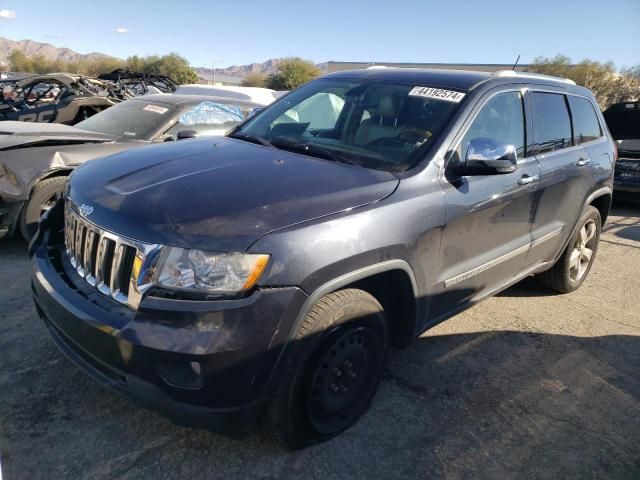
x,y
527,179
583,161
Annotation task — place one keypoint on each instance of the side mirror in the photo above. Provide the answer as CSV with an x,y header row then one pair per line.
x,y
185,134
488,156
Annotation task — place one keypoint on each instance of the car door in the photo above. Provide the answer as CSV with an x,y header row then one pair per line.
x,y
488,217
565,171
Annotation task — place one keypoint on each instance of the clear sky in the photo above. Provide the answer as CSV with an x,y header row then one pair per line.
x,y
457,31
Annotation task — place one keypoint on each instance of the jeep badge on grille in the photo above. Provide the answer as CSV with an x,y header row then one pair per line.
x,y
85,210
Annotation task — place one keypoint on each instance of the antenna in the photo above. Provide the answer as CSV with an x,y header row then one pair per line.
x,y
516,64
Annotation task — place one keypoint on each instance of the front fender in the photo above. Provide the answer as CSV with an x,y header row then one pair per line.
x,y
405,226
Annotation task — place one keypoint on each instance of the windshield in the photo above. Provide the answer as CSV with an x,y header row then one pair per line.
x,y
380,125
133,119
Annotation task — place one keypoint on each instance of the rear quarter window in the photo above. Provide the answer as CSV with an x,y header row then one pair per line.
x,y
551,122
586,127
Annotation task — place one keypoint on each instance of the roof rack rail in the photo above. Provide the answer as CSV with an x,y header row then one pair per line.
x,y
512,73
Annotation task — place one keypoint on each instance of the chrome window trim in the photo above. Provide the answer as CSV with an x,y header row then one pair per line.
x,y
463,131
524,89
596,109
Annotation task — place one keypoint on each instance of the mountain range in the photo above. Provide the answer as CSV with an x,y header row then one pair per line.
x,y
32,48
265,68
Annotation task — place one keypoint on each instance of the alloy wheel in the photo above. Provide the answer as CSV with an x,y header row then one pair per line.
x,y
583,249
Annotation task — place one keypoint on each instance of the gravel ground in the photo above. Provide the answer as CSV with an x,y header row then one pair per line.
x,y
527,384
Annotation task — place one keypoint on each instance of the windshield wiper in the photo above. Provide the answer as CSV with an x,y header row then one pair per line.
x,y
249,137
313,150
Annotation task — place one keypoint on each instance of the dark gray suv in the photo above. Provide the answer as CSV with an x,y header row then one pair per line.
x,y
262,276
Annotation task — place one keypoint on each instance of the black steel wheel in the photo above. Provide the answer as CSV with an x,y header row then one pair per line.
x,y
330,371
343,378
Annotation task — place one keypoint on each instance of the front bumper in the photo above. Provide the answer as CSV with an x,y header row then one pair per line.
x,y
203,364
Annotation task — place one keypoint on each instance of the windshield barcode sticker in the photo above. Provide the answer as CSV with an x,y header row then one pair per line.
x,y
437,93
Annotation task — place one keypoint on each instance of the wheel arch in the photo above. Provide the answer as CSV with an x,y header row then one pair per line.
x,y
60,172
601,199
391,282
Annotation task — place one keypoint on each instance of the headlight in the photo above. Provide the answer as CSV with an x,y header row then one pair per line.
x,y
212,271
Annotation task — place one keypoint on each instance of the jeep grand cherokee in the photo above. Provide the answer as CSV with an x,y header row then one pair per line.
x,y
263,275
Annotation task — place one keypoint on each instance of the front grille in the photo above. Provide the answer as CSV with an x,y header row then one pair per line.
x,y
104,260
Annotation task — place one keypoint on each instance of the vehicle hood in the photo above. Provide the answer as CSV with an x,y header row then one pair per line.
x,y
31,134
629,147
217,193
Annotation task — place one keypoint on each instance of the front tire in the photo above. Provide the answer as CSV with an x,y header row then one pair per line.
x,y
572,268
44,195
332,370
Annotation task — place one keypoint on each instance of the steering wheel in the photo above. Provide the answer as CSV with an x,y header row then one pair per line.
x,y
387,141
413,132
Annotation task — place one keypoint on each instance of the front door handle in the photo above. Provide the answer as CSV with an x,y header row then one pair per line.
x,y
583,161
527,179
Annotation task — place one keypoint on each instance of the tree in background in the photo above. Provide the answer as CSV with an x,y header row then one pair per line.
x,y
254,79
292,72
171,65
18,62
608,85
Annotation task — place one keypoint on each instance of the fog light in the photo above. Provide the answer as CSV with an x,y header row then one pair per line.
x,y
181,374
197,369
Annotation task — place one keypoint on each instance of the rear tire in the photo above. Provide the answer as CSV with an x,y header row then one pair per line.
x,y
572,268
43,196
331,371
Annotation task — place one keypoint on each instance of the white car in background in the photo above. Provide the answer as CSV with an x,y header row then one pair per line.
x,y
261,96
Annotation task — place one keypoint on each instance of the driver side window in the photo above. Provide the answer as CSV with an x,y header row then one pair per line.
x,y
502,119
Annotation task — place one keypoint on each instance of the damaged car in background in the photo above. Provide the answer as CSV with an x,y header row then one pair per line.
x,y
35,159
57,98
137,83
623,120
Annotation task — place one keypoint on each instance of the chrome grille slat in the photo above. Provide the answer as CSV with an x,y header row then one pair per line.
x,y
100,257
116,267
89,256
78,248
105,260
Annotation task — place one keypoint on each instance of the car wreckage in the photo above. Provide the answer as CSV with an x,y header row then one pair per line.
x,y
35,159
57,98
136,83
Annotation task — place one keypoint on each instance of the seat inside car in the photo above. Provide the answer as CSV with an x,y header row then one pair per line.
x,y
383,122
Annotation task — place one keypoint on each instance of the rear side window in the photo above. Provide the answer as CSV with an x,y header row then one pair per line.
x,y
586,127
551,122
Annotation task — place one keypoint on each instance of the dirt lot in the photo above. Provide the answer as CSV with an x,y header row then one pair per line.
x,y
528,384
